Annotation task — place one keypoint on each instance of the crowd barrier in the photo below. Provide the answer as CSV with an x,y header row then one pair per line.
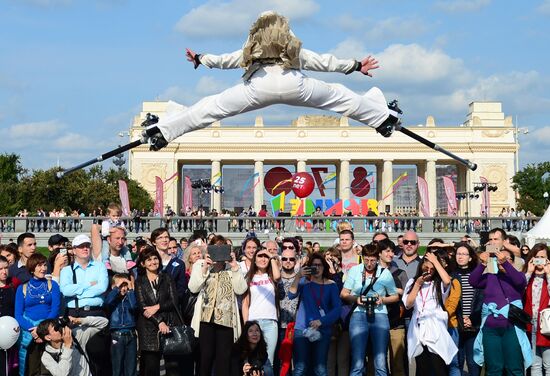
x,y
272,224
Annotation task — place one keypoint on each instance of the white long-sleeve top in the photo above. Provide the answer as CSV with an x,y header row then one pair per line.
x,y
428,326
309,60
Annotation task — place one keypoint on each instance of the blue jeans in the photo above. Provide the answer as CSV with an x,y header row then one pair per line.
x,y
270,329
124,353
310,357
454,368
360,330
466,353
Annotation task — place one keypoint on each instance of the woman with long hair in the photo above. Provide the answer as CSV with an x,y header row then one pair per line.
x,y
158,301
428,340
318,310
260,303
369,288
468,312
249,248
249,355
537,298
216,320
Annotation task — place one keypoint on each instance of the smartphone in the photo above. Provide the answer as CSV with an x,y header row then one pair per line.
x,y
539,261
219,253
63,251
492,249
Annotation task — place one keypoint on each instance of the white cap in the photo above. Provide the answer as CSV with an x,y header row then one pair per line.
x,y
81,239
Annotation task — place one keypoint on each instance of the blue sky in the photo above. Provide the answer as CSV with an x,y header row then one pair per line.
x,y
74,73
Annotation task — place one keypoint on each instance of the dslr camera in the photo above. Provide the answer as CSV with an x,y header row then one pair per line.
x,y
313,269
255,367
61,322
370,305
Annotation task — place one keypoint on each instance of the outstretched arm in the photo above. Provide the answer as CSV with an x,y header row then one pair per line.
x,y
313,61
224,61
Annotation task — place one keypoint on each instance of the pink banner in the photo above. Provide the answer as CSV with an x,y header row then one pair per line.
x,y
159,197
485,200
124,198
187,193
424,196
450,192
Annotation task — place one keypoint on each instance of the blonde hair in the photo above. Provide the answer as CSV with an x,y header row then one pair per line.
x,y
343,226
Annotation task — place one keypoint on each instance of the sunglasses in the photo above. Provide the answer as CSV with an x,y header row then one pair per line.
x,y
291,259
288,247
413,242
262,255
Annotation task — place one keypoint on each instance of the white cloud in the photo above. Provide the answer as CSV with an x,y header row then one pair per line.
x,y
75,141
35,130
227,19
452,6
397,27
209,85
541,136
544,7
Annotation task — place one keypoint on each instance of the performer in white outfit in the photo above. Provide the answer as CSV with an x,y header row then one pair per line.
x,y
273,59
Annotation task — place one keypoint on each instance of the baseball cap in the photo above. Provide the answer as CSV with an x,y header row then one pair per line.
x,y
57,239
81,239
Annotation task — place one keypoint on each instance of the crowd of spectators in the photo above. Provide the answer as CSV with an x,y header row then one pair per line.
x,y
99,305
247,219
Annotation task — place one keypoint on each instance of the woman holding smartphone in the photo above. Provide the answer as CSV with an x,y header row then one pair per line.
x,y
318,310
537,298
428,340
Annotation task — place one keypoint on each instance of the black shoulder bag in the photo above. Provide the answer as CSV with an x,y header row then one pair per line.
x,y
516,316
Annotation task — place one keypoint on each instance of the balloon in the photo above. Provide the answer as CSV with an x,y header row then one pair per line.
x,y
9,327
278,180
302,184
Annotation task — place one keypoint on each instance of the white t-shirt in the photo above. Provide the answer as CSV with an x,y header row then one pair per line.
x,y
262,298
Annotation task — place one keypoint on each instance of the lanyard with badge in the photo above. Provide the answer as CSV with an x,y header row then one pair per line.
x,y
318,301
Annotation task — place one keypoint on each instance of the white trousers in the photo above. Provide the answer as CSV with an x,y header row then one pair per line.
x,y
275,85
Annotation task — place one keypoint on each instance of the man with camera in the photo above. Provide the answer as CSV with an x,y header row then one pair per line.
x,y
369,288
64,354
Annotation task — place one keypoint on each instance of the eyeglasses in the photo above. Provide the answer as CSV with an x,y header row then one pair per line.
x,y
288,247
370,261
262,255
291,259
412,242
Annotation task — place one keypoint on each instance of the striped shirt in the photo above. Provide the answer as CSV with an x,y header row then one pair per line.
x,y
467,293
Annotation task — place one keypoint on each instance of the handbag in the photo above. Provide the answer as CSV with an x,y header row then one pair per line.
x,y
516,316
180,340
544,323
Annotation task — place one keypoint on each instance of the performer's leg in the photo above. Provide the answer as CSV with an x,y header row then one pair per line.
x,y
235,100
370,109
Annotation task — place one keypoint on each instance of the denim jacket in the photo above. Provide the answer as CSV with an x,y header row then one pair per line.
x,y
123,309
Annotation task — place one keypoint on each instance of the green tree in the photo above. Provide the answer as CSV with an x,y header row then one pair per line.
x,y
10,173
530,185
81,190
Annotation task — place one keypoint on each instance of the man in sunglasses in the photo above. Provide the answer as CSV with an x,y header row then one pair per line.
x,y
287,307
410,259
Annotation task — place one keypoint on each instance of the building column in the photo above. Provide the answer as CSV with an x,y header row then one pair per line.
x,y
343,180
420,171
215,197
431,179
301,165
259,187
387,179
379,193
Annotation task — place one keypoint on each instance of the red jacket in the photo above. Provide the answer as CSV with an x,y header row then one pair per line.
x,y
542,340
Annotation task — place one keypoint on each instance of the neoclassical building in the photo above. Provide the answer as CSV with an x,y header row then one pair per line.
x,y
239,157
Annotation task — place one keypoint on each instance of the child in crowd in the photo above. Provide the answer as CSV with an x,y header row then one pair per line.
x,y
114,212
122,304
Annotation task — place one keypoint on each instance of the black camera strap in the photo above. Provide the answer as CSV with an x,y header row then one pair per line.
x,y
372,281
